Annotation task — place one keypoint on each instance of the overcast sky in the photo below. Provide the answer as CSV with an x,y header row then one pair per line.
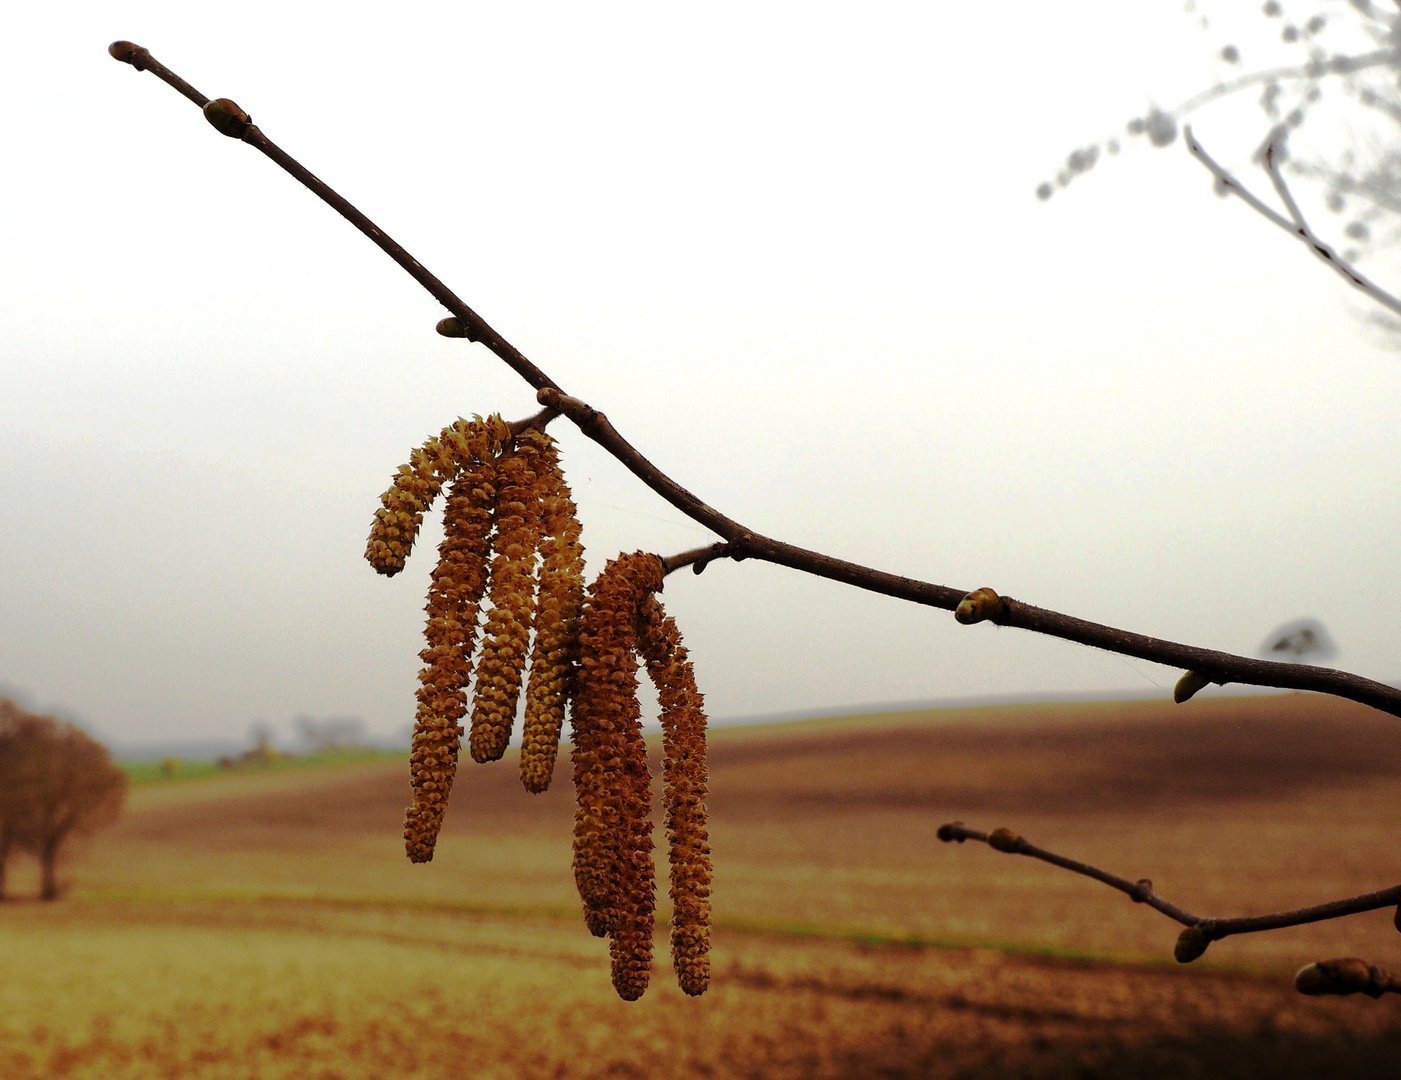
x,y
792,250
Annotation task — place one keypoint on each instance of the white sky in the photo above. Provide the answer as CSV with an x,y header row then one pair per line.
x,y
791,249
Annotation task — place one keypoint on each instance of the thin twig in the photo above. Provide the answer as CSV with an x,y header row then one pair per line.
x,y
540,421
697,558
1200,932
741,542
1314,69
1296,228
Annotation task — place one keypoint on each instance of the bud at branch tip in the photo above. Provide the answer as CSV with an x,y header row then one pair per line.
x,y
128,52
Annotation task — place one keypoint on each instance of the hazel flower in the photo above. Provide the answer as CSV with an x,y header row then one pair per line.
x,y
685,774
454,596
415,486
604,713
557,606
630,944
507,636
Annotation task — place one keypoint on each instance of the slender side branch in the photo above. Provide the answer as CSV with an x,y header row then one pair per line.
x,y
1140,892
697,558
1199,932
741,542
540,421
1297,227
1314,69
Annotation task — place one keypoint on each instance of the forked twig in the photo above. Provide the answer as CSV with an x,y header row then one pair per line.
x,y
1294,225
1199,932
740,542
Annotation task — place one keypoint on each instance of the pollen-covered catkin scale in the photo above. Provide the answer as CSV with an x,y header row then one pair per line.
x,y
507,633
556,646
686,779
459,581
603,709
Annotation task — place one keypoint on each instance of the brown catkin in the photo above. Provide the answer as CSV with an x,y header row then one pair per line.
x,y
454,595
634,924
411,493
604,712
507,634
685,774
561,594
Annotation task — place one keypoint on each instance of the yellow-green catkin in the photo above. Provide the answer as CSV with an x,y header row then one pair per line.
x,y
506,638
557,604
603,713
683,801
459,580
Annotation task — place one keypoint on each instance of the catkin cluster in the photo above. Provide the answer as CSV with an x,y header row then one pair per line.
x,y
507,505
511,537
613,866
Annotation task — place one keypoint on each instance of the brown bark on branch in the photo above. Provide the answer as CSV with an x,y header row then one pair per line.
x,y
1199,932
741,542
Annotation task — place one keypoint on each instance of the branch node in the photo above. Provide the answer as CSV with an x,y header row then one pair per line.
x,y
227,118
1143,891
128,52
1188,685
1191,944
979,606
1005,840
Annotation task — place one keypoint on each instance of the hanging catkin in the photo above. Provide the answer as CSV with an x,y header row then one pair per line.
x,y
556,646
604,710
508,503
411,493
507,635
685,774
450,631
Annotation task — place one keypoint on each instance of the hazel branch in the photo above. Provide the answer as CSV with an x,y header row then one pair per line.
x,y
1199,932
741,542
1297,227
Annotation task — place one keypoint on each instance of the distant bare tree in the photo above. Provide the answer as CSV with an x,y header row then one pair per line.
x,y
1326,75
55,781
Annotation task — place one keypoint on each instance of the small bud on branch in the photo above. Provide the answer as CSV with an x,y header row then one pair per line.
x,y
1346,975
979,606
1188,685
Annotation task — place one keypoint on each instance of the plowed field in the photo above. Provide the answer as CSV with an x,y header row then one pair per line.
x,y
269,926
